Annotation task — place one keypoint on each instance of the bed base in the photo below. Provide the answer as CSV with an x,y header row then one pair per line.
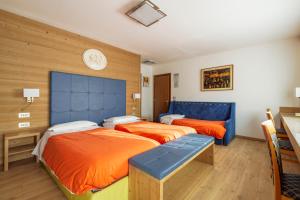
x,y
118,190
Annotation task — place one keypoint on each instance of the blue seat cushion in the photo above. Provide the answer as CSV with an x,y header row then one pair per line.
x,y
290,185
162,160
280,130
285,144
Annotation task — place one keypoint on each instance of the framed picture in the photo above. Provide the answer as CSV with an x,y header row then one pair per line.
x,y
217,78
146,81
176,80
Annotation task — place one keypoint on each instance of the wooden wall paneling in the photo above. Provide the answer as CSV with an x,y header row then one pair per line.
x,y
29,50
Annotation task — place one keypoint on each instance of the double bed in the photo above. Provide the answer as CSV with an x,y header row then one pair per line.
x,y
85,160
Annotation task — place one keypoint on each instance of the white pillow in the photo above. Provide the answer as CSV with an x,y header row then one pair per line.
x,y
173,116
112,125
72,126
168,119
109,125
122,119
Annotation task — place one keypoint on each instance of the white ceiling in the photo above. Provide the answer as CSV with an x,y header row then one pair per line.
x,y
192,27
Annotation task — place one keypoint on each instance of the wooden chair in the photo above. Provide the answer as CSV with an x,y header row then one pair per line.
x,y
280,132
285,145
287,186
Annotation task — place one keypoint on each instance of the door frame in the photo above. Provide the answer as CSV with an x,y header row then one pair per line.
x,y
170,75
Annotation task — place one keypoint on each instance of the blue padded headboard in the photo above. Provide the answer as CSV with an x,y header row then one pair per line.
x,y
78,97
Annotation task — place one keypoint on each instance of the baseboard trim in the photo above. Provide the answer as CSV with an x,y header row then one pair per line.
x,y
250,138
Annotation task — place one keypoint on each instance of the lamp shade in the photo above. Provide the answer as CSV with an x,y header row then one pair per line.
x,y
146,13
31,92
298,92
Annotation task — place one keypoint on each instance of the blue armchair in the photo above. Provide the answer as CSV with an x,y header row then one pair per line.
x,y
207,111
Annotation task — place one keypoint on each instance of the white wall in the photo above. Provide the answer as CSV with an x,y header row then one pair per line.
x,y
147,93
264,76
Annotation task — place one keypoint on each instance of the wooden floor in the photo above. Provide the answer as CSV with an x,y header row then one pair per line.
x,y
241,171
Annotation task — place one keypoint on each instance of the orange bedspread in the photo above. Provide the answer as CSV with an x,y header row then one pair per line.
x,y
162,133
92,159
211,128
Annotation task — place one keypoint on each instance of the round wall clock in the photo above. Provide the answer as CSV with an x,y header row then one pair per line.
x,y
94,59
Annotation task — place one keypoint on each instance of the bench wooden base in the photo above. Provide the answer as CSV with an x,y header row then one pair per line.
x,y
143,186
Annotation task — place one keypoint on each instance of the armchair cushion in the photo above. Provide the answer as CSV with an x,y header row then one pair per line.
x,y
210,128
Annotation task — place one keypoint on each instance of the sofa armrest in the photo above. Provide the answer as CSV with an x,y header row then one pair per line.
x,y
230,131
228,124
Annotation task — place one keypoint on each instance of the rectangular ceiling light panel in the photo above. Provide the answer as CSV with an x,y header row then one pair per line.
x,y
146,13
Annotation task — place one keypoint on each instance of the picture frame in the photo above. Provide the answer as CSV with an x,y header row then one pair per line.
x,y
146,81
176,80
217,78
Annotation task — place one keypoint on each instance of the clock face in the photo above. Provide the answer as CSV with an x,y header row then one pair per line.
x,y
94,59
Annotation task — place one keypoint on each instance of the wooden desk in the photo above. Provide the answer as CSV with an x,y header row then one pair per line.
x,y
291,124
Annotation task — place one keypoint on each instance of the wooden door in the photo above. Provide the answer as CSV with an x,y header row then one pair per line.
x,y
162,94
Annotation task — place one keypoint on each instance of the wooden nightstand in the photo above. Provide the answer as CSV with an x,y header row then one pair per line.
x,y
11,151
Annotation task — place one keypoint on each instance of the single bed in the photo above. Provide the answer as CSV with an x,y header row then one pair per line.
x,y
162,133
71,156
89,160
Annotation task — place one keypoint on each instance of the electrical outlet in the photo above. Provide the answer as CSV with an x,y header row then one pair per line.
x,y
24,124
24,115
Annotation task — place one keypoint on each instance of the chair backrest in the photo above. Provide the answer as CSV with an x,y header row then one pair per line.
x,y
272,141
270,116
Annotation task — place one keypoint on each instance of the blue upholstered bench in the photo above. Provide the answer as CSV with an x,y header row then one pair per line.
x,y
151,169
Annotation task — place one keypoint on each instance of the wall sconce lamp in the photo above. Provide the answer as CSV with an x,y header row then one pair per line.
x,y
136,96
298,96
30,94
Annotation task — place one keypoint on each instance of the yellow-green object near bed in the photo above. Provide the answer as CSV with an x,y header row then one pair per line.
x,y
116,191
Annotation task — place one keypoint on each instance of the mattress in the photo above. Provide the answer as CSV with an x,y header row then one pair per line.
x,y
117,190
